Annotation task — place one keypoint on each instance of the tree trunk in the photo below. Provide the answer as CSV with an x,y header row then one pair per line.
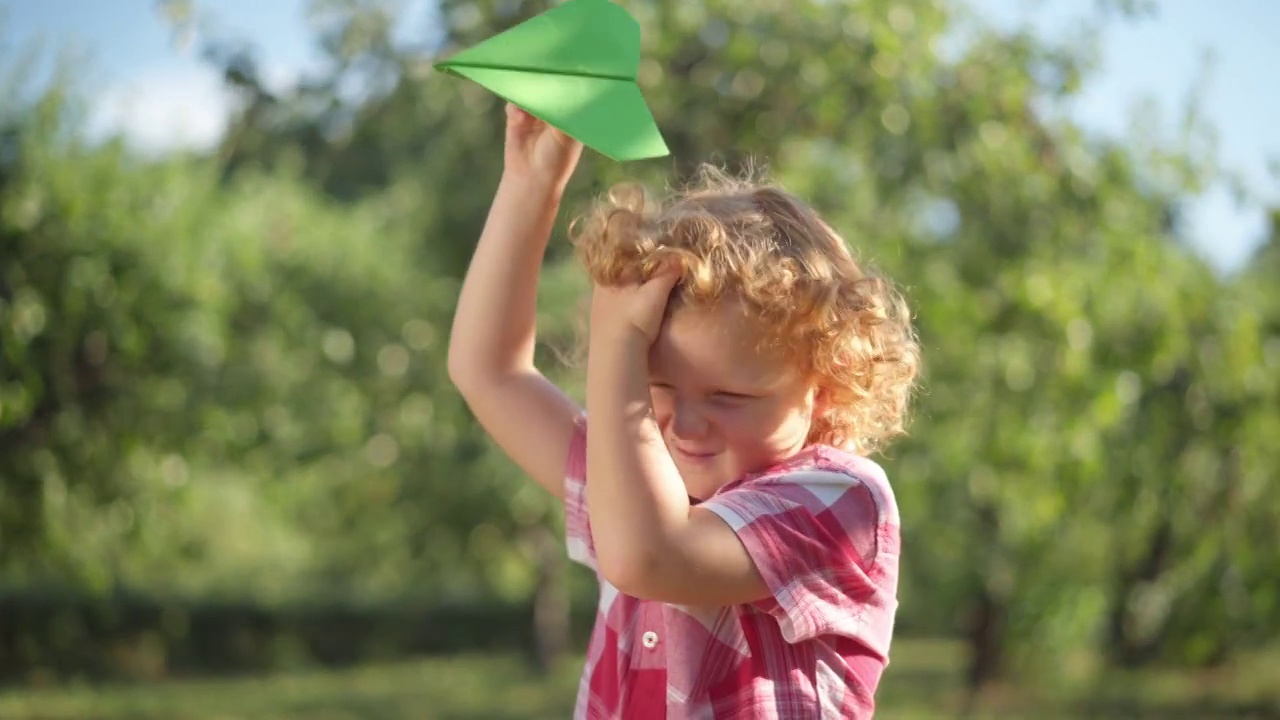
x,y
986,641
550,600
988,618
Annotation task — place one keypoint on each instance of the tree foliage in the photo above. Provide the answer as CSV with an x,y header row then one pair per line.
x,y
226,372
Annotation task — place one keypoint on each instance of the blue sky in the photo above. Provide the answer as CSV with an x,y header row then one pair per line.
x,y
162,96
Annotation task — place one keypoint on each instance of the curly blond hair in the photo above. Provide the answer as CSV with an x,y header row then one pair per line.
x,y
738,238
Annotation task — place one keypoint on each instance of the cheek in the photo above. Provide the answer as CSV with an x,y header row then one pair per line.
x,y
765,429
662,406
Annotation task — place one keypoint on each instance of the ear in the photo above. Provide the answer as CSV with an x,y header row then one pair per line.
x,y
821,399
819,402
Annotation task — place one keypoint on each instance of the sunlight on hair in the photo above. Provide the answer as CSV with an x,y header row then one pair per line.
x,y
741,238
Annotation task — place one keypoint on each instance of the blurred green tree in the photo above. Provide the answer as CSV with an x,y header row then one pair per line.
x,y
255,339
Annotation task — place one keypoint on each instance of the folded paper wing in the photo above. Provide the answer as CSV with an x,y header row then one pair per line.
x,y
574,67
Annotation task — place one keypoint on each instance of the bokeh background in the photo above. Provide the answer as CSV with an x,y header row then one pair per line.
x,y
235,481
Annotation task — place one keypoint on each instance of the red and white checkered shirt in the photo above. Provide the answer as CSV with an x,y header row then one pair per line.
x,y
822,528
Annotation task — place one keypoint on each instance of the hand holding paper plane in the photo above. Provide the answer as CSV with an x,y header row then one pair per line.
x,y
574,67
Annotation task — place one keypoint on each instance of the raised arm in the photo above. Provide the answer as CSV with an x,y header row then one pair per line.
x,y
491,347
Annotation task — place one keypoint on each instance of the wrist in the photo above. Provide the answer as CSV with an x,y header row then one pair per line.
x,y
621,345
532,186
617,367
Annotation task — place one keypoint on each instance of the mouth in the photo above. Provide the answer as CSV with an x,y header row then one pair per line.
x,y
693,456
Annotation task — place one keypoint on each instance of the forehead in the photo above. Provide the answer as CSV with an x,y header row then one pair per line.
x,y
718,345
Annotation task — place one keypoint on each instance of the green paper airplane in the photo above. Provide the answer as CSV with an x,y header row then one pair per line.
x,y
574,67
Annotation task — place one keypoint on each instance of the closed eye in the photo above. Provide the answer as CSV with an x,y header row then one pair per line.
x,y
722,395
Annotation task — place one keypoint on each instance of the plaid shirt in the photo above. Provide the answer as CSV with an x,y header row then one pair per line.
x,y
822,528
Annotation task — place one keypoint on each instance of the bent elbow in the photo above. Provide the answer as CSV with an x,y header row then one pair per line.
x,y
465,371
631,572
458,368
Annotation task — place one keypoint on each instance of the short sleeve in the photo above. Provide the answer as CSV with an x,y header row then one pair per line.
x,y
819,540
577,525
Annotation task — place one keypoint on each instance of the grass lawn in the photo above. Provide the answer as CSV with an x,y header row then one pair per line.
x,y
922,682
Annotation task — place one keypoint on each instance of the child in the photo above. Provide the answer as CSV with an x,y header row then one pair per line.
x,y
740,365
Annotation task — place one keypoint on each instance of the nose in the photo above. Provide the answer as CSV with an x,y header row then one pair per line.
x,y
688,422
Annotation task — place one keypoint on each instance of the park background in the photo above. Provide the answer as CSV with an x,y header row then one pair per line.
x,y
235,481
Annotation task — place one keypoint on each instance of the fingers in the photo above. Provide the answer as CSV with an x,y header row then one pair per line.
x,y
668,271
518,120
520,117
561,137
658,287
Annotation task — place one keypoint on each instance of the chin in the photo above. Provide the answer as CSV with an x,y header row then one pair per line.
x,y
701,483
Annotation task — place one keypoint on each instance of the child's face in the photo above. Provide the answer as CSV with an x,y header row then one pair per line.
x,y
724,408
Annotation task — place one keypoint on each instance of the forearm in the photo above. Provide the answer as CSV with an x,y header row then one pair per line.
x,y
494,327
635,498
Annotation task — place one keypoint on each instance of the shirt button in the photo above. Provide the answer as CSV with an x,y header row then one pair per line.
x,y
650,639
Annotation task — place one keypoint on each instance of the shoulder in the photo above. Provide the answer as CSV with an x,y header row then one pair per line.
x,y
821,478
840,499
821,529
